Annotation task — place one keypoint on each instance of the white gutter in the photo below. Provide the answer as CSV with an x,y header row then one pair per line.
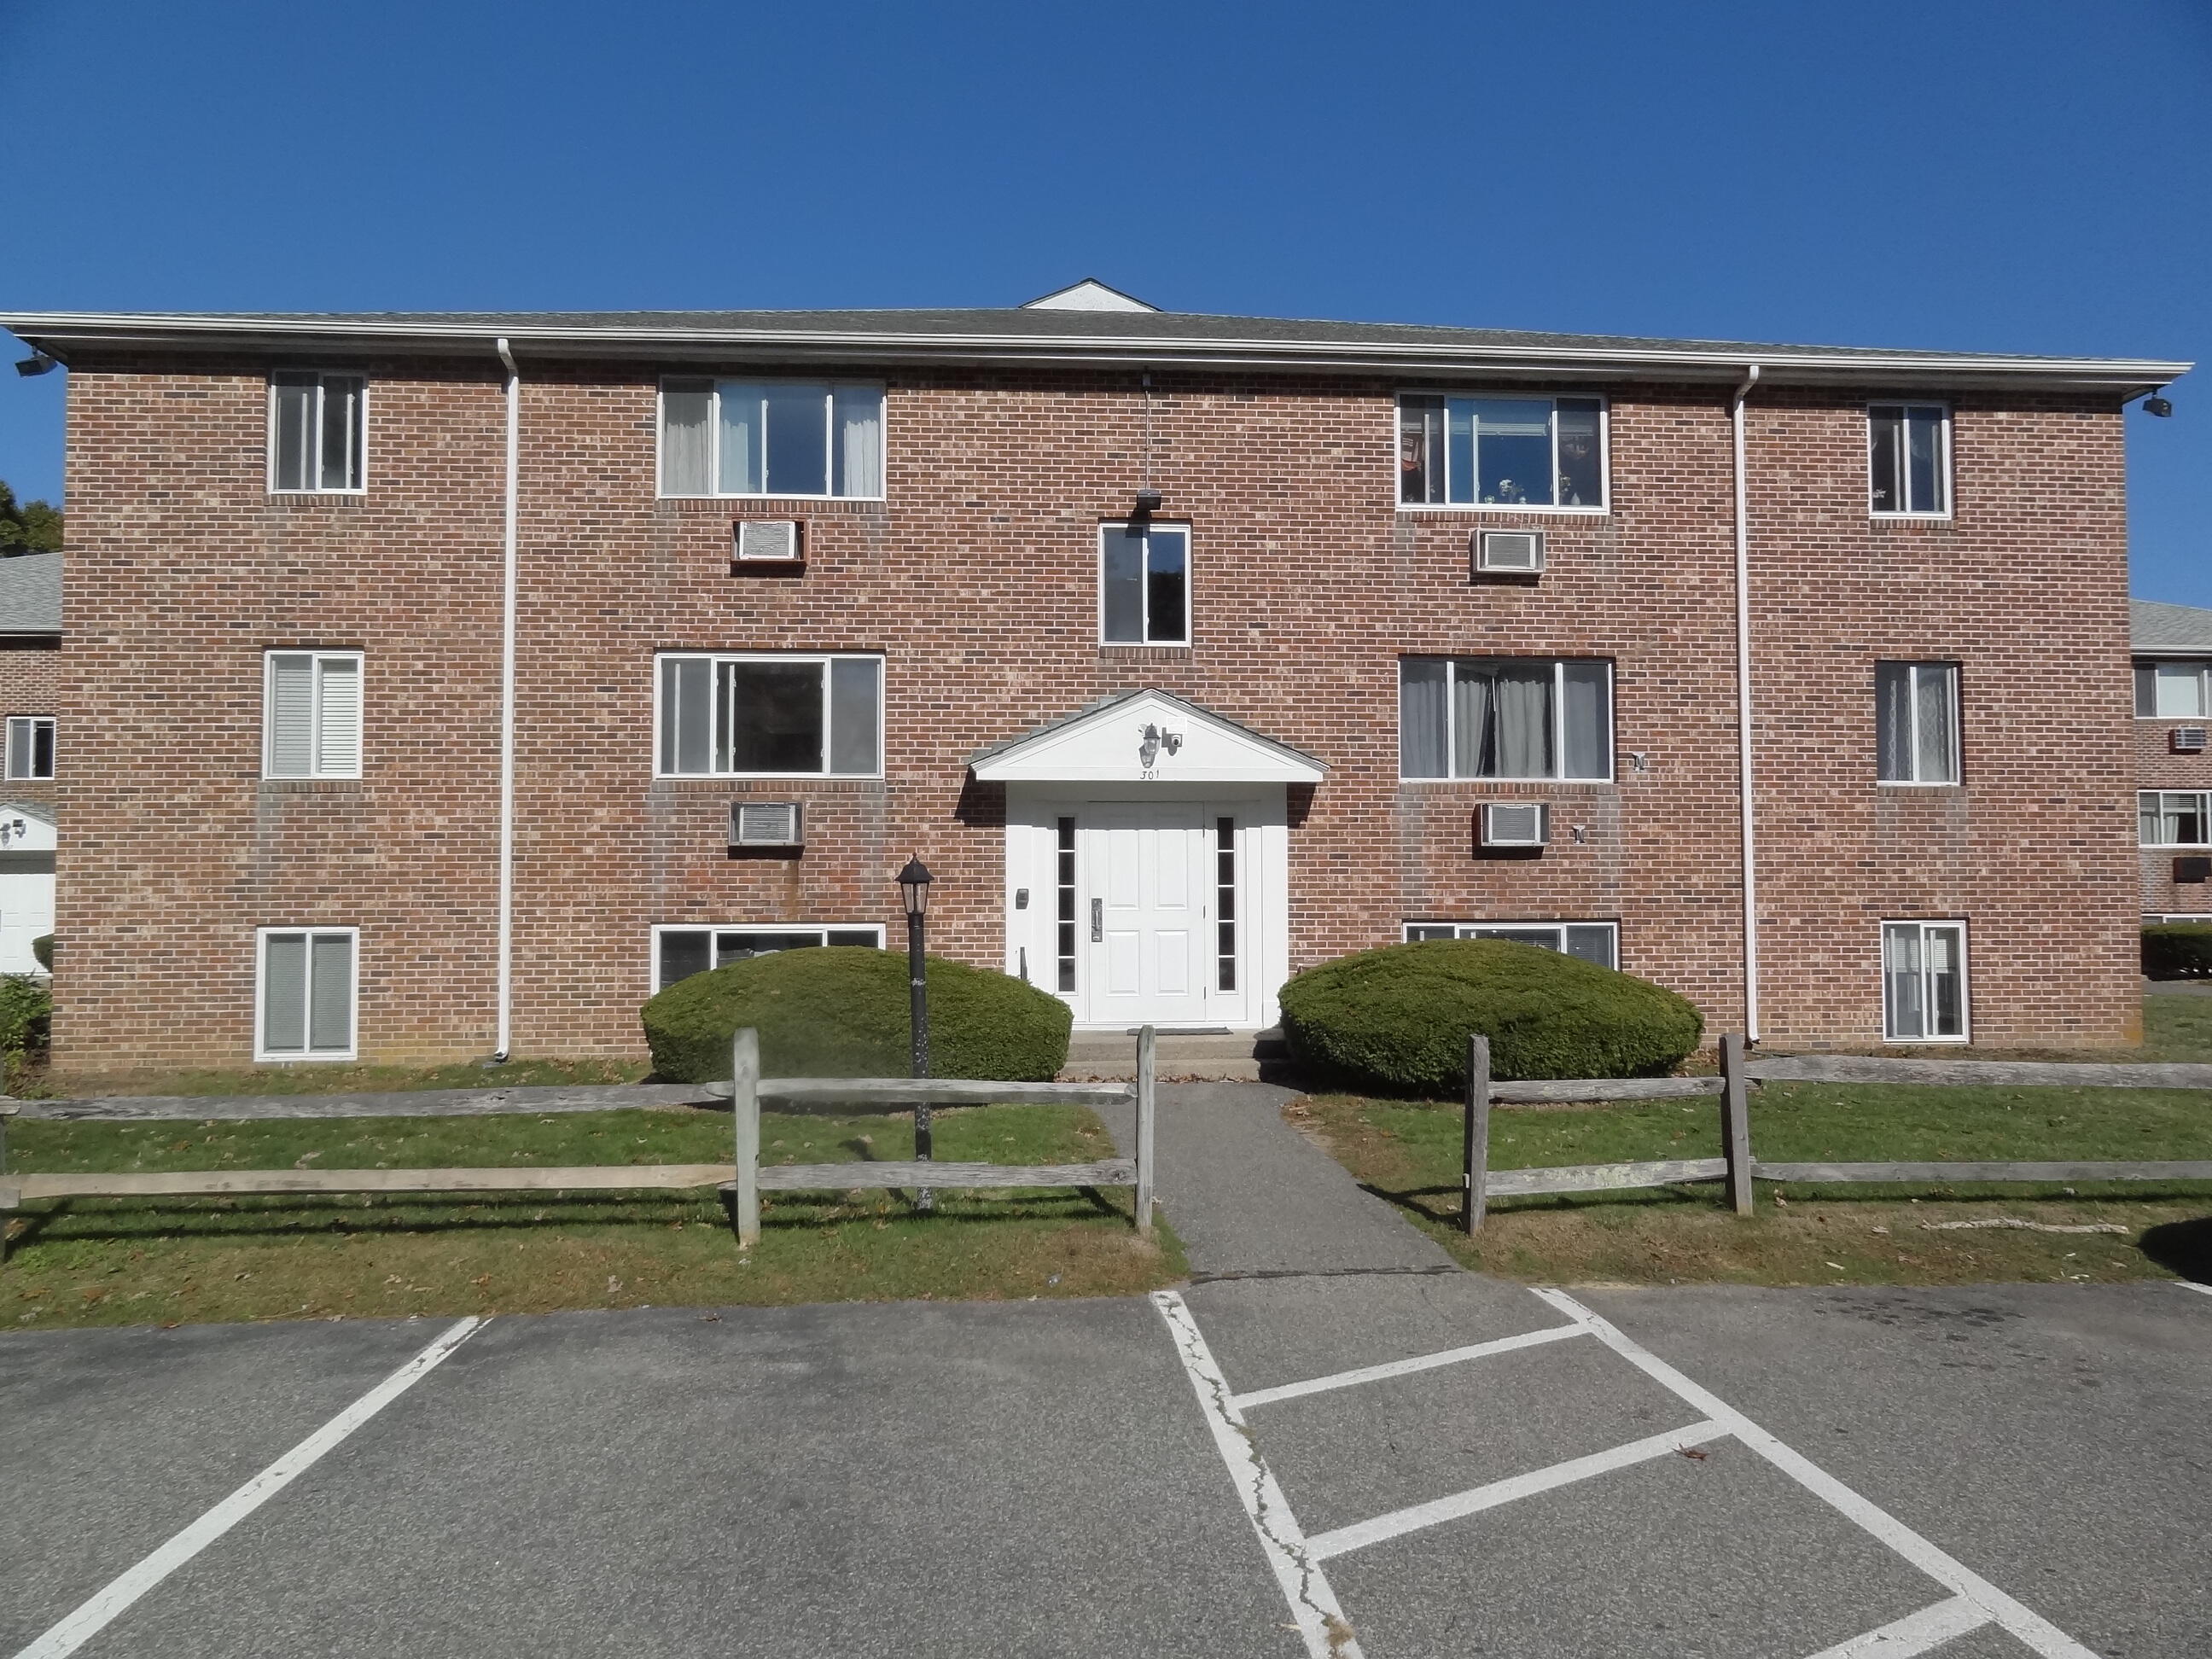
x,y
1749,814
503,1033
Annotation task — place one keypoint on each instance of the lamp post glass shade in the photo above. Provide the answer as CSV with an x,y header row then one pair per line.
x,y
914,884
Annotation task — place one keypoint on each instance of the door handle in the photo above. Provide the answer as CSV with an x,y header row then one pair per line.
x,y
1097,920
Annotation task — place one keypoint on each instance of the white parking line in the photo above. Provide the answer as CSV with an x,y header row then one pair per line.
x,y
2038,1633
2191,1285
1406,1367
1398,1522
88,1619
1915,1633
1320,1621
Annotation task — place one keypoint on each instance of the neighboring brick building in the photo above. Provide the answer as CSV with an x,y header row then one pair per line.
x,y
2174,759
1159,753
30,646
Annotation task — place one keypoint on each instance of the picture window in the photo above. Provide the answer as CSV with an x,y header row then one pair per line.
x,y
1531,718
770,716
1501,452
810,438
680,952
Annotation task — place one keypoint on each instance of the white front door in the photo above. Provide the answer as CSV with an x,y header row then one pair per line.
x,y
1148,887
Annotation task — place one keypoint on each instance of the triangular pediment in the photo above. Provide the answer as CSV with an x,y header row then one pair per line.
x,y
1145,736
1089,295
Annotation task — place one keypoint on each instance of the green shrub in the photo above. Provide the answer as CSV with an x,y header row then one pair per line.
x,y
42,948
1399,1018
842,1012
2178,950
27,1009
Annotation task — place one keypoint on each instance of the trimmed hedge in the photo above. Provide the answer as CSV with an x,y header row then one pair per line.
x,y
42,948
1398,1018
842,1012
2178,950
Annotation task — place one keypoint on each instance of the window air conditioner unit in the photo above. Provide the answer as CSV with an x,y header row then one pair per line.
x,y
765,823
1515,824
2188,739
2192,870
768,541
1518,552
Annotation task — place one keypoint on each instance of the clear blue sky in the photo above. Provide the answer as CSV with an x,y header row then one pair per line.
x,y
2018,175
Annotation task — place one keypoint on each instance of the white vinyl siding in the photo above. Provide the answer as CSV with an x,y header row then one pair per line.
x,y
769,715
30,746
1917,722
2173,690
1592,941
783,438
1544,454
318,426
1923,974
2174,817
678,952
307,994
1526,718
1909,460
312,714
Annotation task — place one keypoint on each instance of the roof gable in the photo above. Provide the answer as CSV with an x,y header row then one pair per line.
x,y
1143,737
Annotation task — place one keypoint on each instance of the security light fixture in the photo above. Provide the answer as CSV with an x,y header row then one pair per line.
x,y
36,363
2161,407
1148,503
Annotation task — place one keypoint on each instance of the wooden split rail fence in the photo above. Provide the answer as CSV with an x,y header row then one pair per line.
x,y
1740,1169
743,1173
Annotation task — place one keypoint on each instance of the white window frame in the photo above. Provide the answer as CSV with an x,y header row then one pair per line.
x,y
1950,483
824,658
714,439
302,1056
2203,688
53,747
2203,812
1468,930
314,713
1189,563
360,434
1604,454
824,928
1559,719
1913,694
1965,1032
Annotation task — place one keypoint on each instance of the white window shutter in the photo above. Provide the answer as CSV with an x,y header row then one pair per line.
x,y
290,715
337,724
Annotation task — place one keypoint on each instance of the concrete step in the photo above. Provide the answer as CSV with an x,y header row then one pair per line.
x,y
1216,1056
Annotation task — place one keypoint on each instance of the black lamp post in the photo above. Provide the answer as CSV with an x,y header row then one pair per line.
x,y
914,887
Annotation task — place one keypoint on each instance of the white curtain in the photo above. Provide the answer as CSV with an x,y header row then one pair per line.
x,y
685,409
860,452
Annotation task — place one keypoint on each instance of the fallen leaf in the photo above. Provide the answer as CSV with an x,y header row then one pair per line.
x,y
1695,1454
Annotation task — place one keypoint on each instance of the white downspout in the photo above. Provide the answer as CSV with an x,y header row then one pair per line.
x,y
503,1033
1750,824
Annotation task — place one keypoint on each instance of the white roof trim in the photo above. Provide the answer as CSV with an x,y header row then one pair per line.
x,y
1148,737
1089,295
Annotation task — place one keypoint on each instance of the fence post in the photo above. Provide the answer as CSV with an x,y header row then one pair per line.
x,y
1475,1148
1735,1122
1147,1105
744,1107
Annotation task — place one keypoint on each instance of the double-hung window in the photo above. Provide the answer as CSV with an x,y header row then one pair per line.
x,y
771,438
1144,584
758,715
1593,941
1504,717
1909,460
2174,817
311,714
1923,976
2173,690
315,430
680,952
304,1010
1917,722
1501,452
30,746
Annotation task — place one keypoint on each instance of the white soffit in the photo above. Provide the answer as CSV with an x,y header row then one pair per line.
x,y
1089,295
1147,738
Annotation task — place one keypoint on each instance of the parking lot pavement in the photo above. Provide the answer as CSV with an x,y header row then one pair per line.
x,y
1025,1479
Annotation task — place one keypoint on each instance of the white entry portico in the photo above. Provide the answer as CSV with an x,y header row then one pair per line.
x,y
1147,863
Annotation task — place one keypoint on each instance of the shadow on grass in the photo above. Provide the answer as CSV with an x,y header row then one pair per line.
x,y
2183,1247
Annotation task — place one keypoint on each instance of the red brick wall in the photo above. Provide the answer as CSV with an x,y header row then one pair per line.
x,y
28,685
2157,767
977,580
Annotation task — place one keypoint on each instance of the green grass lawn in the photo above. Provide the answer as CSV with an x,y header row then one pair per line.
x,y
2177,1026
108,1262
1410,1151
38,1083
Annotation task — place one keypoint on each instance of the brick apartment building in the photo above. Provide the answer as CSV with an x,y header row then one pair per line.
x,y
2174,759
438,686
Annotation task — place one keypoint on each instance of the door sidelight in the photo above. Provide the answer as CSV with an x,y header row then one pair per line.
x,y
1097,920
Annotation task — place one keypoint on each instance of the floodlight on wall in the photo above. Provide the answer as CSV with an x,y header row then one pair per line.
x,y
36,363
1148,503
2159,406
